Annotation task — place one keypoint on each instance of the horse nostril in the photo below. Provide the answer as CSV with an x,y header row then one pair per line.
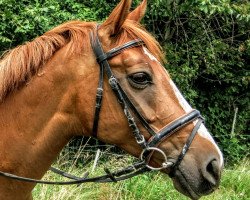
x,y
212,172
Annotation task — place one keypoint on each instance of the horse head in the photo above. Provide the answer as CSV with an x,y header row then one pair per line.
x,y
140,73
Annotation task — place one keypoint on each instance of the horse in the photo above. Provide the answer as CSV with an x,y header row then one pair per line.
x,y
48,96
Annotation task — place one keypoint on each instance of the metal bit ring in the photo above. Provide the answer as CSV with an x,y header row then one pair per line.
x,y
165,164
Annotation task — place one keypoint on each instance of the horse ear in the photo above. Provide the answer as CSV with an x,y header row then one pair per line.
x,y
113,24
139,12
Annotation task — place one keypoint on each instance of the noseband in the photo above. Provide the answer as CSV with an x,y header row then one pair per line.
x,y
150,146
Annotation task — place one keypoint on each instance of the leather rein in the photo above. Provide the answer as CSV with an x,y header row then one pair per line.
x,y
148,147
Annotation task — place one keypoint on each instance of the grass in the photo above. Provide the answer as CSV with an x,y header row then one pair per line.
x,y
235,185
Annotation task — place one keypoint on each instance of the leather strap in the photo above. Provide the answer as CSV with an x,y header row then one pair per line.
x,y
103,62
117,50
173,127
185,147
126,173
102,59
98,104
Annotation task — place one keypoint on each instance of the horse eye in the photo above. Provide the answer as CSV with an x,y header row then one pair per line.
x,y
139,80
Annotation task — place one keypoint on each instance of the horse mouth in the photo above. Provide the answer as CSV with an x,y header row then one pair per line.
x,y
183,185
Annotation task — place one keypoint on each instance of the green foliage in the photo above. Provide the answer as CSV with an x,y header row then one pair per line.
x,y
207,45
24,20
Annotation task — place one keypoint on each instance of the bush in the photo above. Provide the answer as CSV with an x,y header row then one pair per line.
x,y
206,43
26,19
208,48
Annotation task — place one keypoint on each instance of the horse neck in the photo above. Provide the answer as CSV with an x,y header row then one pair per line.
x,y
38,120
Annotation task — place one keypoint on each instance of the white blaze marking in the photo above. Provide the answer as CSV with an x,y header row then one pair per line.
x,y
151,56
203,132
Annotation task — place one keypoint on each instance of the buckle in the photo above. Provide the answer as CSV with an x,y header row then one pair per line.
x,y
113,82
99,91
141,140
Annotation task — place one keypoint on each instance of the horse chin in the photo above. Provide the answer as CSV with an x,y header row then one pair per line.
x,y
184,185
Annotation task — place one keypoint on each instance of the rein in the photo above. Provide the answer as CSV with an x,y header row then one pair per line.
x,y
148,147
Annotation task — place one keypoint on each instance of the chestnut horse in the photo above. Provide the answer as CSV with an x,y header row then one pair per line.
x,y
48,94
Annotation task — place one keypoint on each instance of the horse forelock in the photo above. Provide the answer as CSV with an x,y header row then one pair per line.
x,y
136,30
18,65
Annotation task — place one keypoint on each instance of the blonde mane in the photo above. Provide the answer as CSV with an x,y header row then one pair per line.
x,y
20,64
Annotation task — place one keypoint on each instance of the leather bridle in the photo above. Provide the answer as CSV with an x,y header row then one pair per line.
x,y
148,147
127,105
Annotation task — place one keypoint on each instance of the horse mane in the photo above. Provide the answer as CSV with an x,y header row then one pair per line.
x,y
18,65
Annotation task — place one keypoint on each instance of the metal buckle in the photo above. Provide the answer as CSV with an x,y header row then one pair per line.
x,y
141,140
99,91
113,82
165,164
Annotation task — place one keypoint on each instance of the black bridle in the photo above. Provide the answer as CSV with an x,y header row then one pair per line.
x,y
127,105
148,147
